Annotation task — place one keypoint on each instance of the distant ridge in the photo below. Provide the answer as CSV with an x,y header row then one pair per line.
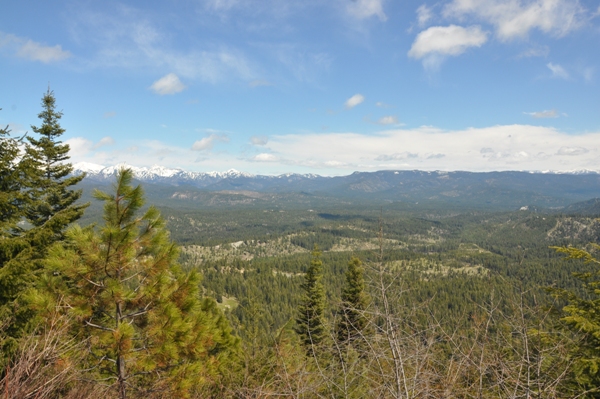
x,y
153,172
500,190
160,172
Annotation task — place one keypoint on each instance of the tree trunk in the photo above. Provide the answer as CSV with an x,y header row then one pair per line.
x,y
121,374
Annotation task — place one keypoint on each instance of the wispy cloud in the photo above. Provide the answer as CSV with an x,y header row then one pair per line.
x,y
104,141
362,9
265,157
572,151
259,140
558,71
304,63
424,15
515,19
388,120
446,40
207,143
168,84
544,114
33,51
129,38
80,146
540,51
588,73
434,44
109,114
398,156
354,101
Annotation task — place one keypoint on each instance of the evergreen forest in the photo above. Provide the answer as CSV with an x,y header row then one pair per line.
x,y
109,290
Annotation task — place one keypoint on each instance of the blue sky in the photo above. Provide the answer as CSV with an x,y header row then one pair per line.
x,y
276,86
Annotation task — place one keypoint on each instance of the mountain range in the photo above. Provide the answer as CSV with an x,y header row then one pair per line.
x,y
504,190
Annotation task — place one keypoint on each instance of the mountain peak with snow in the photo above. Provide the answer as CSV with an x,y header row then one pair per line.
x,y
154,173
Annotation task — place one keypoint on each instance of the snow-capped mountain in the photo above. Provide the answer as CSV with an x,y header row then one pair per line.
x,y
161,174
156,171
500,189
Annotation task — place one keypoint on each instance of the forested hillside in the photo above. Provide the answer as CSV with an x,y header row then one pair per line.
x,y
238,294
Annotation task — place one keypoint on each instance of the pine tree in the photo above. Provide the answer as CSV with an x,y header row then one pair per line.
x,y
582,316
147,326
53,204
34,188
310,322
13,274
353,323
12,198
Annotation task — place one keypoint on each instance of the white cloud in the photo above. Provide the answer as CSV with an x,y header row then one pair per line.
x,y
544,114
109,114
207,143
558,71
388,120
435,156
541,51
362,9
382,104
512,147
104,141
38,52
588,74
401,156
265,157
33,51
424,15
168,84
259,140
79,146
571,151
446,40
127,38
515,18
354,101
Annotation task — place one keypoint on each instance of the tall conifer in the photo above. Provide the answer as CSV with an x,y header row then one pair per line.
x,y
35,189
147,326
13,271
582,316
310,322
352,323
53,203
12,198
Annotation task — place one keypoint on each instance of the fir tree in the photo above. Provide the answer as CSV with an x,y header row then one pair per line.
x,y
12,198
147,326
34,188
582,316
13,271
310,323
353,324
53,204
